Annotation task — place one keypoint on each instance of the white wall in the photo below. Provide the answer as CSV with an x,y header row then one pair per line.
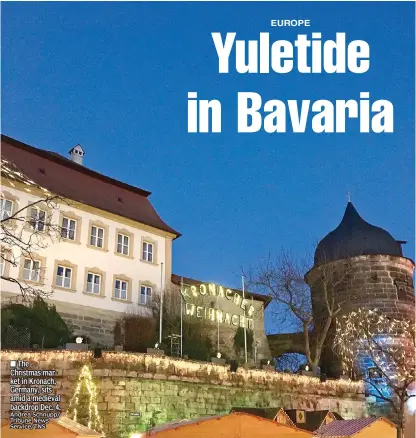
x,y
82,256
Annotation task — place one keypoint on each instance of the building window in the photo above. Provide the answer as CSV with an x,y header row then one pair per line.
x,y
63,277
6,208
68,228
31,270
5,262
37,218
93,283
148,252
97,237
122,244
120,289
146,295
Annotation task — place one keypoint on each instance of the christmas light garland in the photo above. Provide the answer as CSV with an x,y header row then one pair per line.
x,y
85,380
150,366
390,343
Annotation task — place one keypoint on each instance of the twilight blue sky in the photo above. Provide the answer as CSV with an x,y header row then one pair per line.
x,y
115,76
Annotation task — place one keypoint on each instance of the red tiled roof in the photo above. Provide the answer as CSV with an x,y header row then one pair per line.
x,y
176,279
74,181
344,428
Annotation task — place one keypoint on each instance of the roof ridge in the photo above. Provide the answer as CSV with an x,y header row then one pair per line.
x,y
73,181
60,159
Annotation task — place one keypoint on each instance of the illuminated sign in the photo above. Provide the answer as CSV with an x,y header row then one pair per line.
x,y
190,293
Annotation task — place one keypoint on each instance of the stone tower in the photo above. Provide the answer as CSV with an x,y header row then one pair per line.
x,y
365,268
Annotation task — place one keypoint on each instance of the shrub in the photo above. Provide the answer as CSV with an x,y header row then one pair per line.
x,y
139,333
197,343
45,325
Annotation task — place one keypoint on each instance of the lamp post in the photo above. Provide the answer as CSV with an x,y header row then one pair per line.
x,y
182,317
161,303
245,322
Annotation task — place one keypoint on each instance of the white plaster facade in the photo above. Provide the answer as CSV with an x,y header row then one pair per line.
x,y
79,255
92,200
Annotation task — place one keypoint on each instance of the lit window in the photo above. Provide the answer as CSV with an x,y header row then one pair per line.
x,y
68,228
31,270
6,208
146,295
123,244
63,277
97,237
93,283
148,251
120,289
37,219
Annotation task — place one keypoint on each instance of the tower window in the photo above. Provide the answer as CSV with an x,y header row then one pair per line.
x,y
400,289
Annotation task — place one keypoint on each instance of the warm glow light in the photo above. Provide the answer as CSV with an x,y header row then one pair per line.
x,y
136,435
219,355
187,368
389,344
85,381
78,340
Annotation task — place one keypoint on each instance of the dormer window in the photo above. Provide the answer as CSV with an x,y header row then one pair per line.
x,y
77,154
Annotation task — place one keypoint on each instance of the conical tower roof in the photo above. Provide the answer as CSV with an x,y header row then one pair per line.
x,y
353,237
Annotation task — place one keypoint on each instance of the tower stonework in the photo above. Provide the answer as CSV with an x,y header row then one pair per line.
x,y
364,268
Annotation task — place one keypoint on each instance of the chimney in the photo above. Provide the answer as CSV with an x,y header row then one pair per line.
x,y
76,154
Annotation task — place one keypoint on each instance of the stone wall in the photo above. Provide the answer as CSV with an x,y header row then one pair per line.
x,y
164,389
364,282
97,324
368,281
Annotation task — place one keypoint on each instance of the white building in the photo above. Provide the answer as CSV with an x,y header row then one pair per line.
x,y
114,252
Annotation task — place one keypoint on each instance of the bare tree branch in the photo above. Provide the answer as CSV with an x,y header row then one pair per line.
x,y
28,229
389,345
283,280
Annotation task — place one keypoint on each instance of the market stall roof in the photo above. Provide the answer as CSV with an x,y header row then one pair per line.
x,y
236,425
311,420
365,427
269,413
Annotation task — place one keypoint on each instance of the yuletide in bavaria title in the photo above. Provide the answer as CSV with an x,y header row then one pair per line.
x,y
305,55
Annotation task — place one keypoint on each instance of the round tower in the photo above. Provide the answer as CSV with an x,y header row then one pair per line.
x,y
360,266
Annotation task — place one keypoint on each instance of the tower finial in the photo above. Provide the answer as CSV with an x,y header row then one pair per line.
x,y
348,196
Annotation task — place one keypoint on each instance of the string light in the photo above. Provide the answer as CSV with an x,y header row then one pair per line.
x,y
85,380
390,344
152,364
